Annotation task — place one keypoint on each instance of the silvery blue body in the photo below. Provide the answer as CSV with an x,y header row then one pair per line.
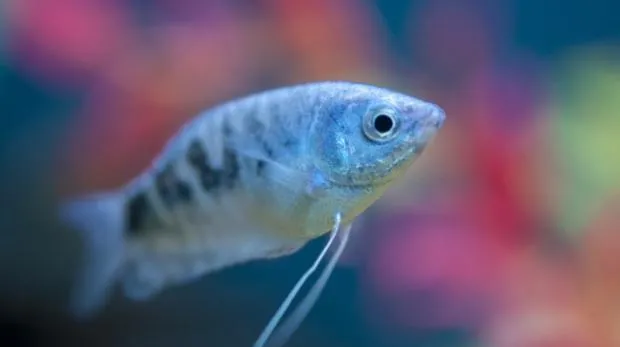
x,y
253,178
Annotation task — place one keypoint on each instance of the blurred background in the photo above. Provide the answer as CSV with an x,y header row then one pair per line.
x,y
505,234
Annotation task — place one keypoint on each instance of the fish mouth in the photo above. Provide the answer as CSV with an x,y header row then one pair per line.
x,y
438,118
408,155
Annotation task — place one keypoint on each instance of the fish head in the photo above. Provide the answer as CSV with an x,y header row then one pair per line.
x,y
366,137
370,135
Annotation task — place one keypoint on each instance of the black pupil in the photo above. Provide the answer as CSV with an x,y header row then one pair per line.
x,y
383,123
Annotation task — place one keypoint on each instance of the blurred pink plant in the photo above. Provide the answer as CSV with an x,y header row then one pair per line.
x,y
61,41
566,301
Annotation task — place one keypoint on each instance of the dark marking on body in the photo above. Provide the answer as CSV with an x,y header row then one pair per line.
x,y
184,191
171,188
254,127
226,128
230,168
213,180
289,142
196,156
209,178
137,211
269,152
256,130
260,167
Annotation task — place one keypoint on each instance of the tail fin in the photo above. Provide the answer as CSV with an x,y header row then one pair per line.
x,y
98,219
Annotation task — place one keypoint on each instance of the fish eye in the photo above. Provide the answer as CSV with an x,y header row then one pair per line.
x,y
380,126
383,123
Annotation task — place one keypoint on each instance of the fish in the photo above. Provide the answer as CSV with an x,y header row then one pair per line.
x,y
250,179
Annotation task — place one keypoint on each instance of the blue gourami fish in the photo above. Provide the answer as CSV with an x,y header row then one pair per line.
x,y
253,178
